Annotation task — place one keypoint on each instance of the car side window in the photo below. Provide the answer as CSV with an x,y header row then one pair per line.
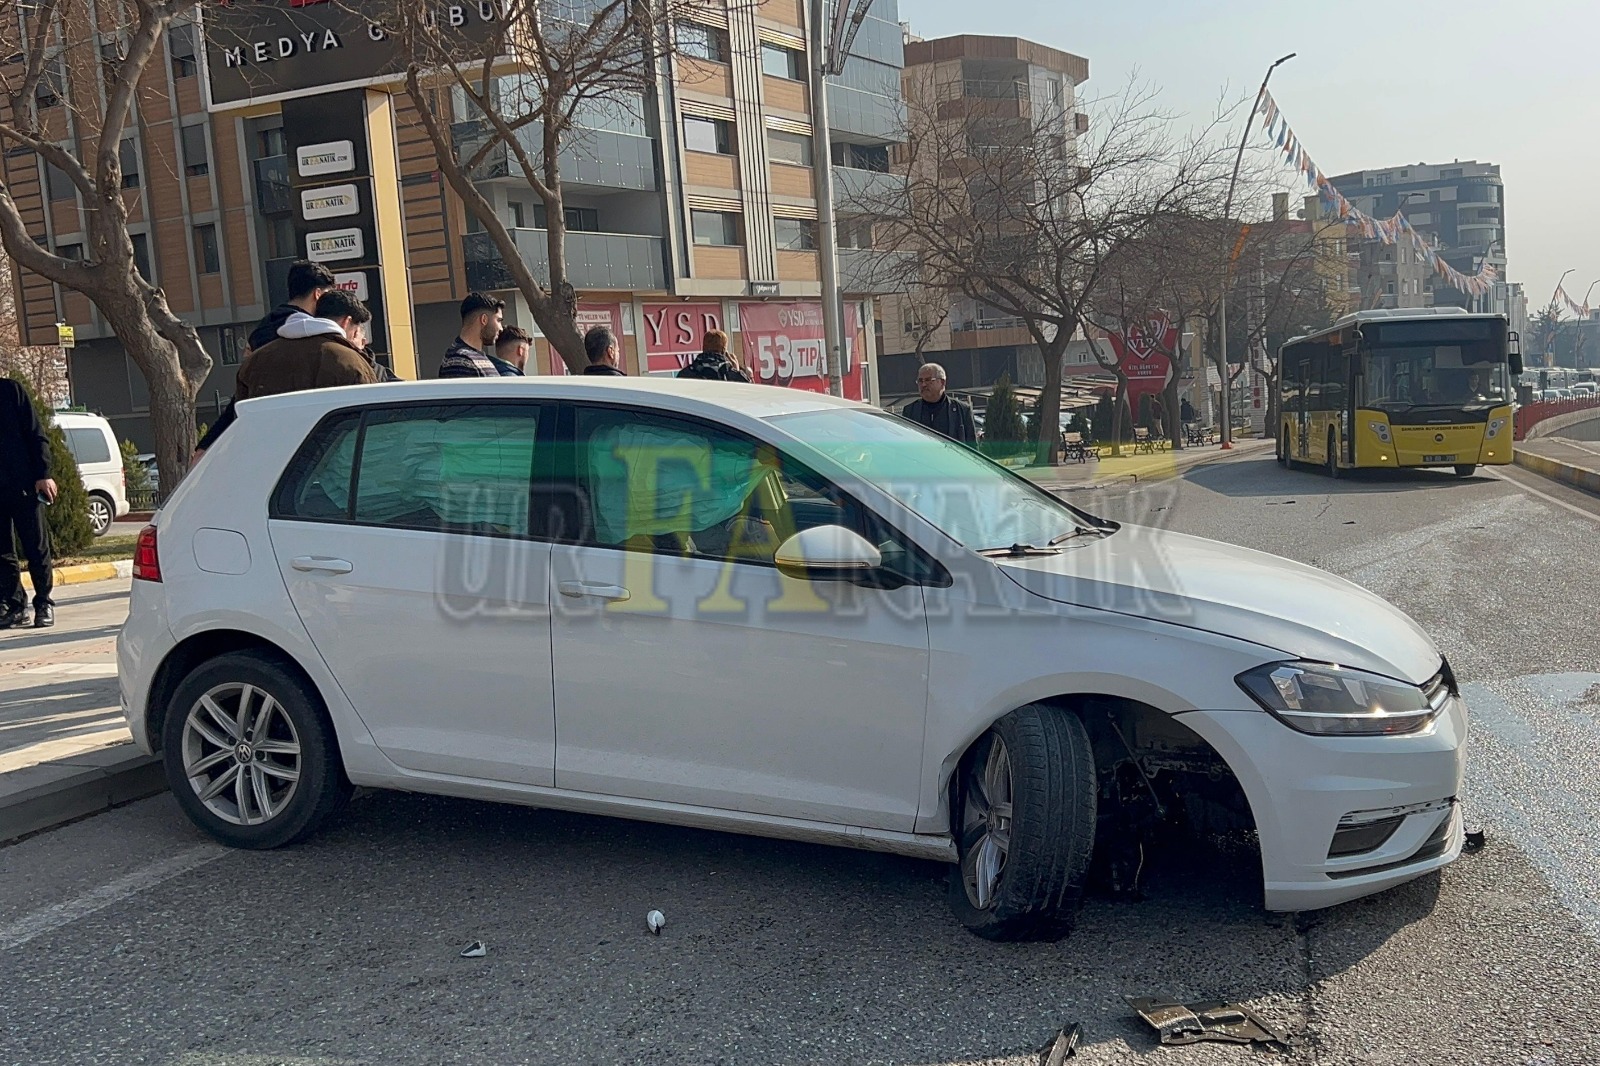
x,y
88,446
459,467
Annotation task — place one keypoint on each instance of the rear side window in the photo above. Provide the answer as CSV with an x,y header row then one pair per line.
x,y
88,445
460,467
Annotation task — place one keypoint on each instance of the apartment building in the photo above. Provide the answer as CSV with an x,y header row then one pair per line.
x,y
278,130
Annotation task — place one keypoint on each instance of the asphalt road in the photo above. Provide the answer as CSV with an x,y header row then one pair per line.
x,y
128,939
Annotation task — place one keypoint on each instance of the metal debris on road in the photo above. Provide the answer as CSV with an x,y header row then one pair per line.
x,y
655,921
1474,842
1191,1023
475,950
1063,1047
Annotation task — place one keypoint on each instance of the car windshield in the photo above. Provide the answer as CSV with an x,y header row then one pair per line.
x,y
977,503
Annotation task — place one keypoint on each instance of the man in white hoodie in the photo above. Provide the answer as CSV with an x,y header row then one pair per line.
x,y
318,351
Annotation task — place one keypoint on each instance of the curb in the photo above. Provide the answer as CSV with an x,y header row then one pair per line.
x,y
1239,450
86,572
51,794
1555,470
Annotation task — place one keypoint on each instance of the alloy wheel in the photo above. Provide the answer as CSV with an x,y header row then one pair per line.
x,y
241,754
986,823
99,515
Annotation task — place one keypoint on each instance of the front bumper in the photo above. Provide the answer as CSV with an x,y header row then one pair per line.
x,y
1300,787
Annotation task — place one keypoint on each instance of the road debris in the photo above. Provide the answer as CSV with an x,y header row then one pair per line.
x,y
475,950
1191,1023
655,921
1474,842
1063,1047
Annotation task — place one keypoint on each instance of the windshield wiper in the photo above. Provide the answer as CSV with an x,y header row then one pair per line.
x,y
1017,550
1081,531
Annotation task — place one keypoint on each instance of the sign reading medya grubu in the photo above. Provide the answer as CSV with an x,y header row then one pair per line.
x,y
261,50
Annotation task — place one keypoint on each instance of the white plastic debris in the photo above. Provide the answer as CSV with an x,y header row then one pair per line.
x,y
475,950
656,921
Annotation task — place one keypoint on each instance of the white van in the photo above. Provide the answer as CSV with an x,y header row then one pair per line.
x,y
94,446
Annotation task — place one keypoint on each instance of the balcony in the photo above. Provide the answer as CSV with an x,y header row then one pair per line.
x,y
626,262
875,271
868,192
273,195
598,159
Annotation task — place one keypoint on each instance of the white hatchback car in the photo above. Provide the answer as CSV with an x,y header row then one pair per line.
x,y
94,446
764,611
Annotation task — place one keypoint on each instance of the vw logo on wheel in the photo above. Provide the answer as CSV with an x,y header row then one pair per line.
x,y
243,753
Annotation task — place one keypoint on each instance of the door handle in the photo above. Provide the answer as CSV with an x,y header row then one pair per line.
x,y
321,564
581,589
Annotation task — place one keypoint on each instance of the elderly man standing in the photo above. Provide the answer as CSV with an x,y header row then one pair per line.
x,y
940,411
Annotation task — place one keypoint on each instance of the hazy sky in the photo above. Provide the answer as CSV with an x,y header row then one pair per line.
x,y
1375,84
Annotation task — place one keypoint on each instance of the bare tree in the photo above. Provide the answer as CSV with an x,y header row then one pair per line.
x,y
68,101
1013,208
527,83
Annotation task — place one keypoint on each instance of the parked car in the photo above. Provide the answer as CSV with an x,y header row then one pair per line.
x,y
94,447
151,472
764,611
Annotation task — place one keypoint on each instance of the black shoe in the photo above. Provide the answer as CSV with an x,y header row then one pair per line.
x,y
13,618
44,616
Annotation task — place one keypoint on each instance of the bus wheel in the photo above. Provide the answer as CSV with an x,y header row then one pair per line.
x,y
1333,454
1466,469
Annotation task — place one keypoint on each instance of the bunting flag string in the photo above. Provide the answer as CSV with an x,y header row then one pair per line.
x,y
1388,230
1572,305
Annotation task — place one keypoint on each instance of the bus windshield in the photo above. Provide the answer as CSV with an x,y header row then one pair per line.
x,y
1435,364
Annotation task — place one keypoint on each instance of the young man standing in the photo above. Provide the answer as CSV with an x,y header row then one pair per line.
x,y
312,352
25,488
482,319
511,349
600,345
939,411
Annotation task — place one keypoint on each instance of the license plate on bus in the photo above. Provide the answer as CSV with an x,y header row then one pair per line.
x,y
1438,458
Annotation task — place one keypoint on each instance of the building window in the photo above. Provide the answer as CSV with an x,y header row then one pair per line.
x,y
271,142
52,84
702,42
795,234
708,135
58,185
180,46
112,53
128,156
1450,173
517,221
720,228
280,238
205,249
196,161
862,157
579,219
73,252
779,62
141,256
789,148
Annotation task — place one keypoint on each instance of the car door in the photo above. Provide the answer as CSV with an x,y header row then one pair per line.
x,y
689,670
404,537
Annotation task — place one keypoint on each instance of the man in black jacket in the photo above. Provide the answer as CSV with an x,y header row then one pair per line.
x,y
939,411
25,488
715,364
600,345
307,282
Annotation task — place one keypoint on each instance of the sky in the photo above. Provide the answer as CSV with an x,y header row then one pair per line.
x,y
1374,85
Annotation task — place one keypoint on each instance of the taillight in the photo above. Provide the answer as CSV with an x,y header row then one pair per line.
x,y
146,560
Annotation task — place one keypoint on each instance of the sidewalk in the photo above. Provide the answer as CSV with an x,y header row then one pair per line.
x,y
1574,462
1137,469
64,749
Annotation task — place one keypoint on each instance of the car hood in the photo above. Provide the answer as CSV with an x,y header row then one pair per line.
x,y
1299,610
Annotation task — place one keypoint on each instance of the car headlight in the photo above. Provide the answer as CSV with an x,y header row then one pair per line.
x,y
1381,429
1495,426
1336,701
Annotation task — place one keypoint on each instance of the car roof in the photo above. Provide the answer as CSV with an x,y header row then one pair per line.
x,y
755,401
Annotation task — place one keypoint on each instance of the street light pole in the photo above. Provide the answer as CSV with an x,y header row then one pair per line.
x,y
822,62
1227,212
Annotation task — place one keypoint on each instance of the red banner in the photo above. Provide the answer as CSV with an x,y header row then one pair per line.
x,y
589,316
675,333
783,344
1144,354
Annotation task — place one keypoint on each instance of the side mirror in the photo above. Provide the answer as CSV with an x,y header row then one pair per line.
x,y
1515,361
828,553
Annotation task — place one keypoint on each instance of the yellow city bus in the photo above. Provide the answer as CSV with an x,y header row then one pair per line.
x,y
1399,388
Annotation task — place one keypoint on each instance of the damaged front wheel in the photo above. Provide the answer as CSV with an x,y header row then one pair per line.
x,y
1023,813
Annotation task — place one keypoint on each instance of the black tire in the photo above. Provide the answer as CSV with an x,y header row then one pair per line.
x,y
321,788
1040,883
102,512
1333,455
1466,469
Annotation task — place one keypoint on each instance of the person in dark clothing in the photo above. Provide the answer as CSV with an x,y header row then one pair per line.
x,y
320,351
307,282
1185,410
600,345
510,355
482,319
939,411
25,488
715,364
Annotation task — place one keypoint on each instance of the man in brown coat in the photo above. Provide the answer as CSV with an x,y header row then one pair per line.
x,y
318,351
